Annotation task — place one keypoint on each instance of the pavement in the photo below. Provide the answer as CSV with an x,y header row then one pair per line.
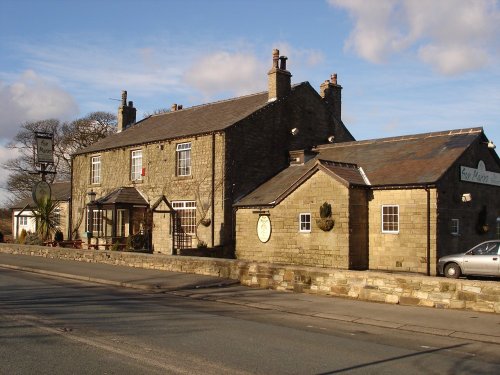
x,y
470,325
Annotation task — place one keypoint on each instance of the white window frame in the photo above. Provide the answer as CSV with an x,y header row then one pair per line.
x,y
305,222
95,170
187,212
136,165
23,221
384,216
183,159
455,227
97,222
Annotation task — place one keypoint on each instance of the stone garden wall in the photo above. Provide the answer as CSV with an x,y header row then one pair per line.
x,y
404,289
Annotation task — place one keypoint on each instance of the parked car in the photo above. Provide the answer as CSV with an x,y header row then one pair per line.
x,y
482,259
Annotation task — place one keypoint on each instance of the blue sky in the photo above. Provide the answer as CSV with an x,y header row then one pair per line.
x,y
406,66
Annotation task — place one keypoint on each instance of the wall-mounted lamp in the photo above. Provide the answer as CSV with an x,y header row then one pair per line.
x,y
91,195
490,144
331,138
466,197
295,131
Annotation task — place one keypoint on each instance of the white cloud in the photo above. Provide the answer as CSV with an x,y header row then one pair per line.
x,y
32,98
451,36
239,73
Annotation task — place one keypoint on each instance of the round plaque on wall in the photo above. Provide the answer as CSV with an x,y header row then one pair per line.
x,y
264,228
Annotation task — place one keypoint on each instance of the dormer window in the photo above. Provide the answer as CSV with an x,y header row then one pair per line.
x,y
183,158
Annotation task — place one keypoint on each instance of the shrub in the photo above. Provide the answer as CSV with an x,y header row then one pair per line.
x,y
33,239
58,236
325,211
202,245
22,236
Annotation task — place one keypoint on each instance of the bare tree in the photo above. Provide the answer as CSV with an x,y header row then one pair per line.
x,y
69,137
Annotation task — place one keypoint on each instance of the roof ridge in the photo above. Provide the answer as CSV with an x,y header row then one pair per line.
x,y
404,137
219,101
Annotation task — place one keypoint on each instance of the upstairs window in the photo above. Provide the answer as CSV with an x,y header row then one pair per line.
x,y
183,157
455,226
136,165
305,223
390,219
95,170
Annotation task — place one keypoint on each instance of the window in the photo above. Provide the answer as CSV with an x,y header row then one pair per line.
x,y
136,165
305,223
95,171
489,248
455,226
183,151
390,219
94,221
23,220
57,216
186,214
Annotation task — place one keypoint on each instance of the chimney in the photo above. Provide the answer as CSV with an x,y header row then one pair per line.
x,y
279,79
126,113
331,92
173,107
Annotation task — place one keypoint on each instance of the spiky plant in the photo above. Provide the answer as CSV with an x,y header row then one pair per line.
x,y
45,216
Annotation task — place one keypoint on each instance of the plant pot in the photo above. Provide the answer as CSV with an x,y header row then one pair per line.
x,y
325,224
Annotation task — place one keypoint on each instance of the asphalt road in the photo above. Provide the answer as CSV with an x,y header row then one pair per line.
x,y
58,326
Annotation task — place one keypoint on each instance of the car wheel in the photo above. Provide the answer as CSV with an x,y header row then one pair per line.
x,y
452,270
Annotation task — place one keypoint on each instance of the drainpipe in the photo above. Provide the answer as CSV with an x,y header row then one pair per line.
x,y
213,191
428,191
70,204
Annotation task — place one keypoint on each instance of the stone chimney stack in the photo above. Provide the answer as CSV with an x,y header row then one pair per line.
x,y
331,92
126,113
279,79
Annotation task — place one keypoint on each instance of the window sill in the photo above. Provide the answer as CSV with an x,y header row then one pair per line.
x,y
190,177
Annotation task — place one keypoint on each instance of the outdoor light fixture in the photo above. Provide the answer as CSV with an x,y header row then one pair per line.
x,y
490,145
295,131
91,195
466,197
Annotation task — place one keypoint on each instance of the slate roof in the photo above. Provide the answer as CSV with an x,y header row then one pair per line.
x,y
195,120
60,191
414,159
418,159
280,186
123,195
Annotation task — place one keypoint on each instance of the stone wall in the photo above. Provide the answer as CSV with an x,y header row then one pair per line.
x,y
405,250
404,289
159,163
287,244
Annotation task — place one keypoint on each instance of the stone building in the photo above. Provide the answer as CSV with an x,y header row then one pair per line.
x,y
22,211
396,204
172,178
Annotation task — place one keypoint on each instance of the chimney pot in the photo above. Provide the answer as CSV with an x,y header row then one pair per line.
x,y
333,78
283,62
276,54
124,98
173,108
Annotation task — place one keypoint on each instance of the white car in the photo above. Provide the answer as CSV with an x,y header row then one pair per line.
x,y
483,259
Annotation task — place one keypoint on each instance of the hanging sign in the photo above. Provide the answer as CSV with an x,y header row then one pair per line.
x,y
44,148
41,191
264,228
479,175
